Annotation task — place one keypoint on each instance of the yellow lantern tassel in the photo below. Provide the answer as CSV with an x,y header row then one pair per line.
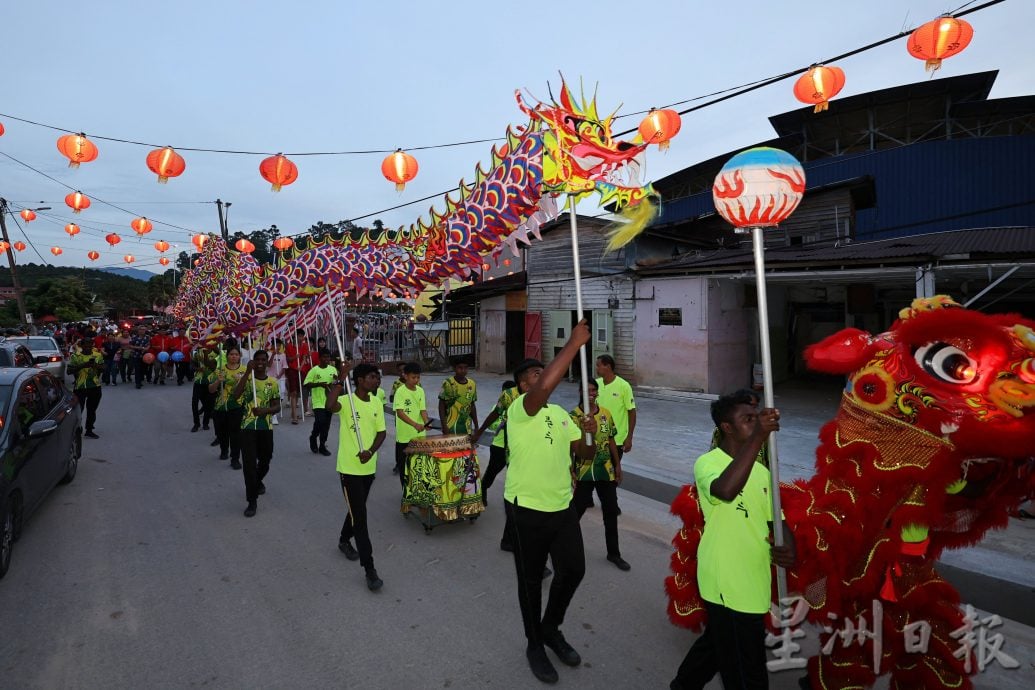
x,y
399,186
821,106
663,146
637,219
932,65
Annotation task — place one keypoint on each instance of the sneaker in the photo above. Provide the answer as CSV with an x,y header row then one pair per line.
x,y
224,456
250,510
564,651
506,546
313,445
90,434
262,488
205,428
540,664
194,429
235,464
347,549
619,562
324,451
374,583
215,442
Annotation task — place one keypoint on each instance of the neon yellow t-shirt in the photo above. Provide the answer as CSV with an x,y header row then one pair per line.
x,y
318,395
87,377
600,467
539,457
733,561
224,400
265,392
506,398
618,398
458,398
371,414
412,403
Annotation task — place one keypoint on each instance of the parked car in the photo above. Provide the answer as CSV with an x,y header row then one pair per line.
x,y
15,355
41,441
46,353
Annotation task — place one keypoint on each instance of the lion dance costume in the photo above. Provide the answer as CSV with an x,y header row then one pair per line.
x,y
931,447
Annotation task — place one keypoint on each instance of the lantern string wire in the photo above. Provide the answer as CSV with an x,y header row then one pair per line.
x,y
27,240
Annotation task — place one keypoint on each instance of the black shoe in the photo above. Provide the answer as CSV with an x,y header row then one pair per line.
x,y
540,664
564,651
506,546
618,511
619,562
347,549
324,451
90,434
250,510
224,456
235,464
262,488
161,383
205,428
547,572
215,442
313,445
374,583
139,386
194,429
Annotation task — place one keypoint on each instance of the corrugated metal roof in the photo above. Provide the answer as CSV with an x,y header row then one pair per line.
x,y
954,245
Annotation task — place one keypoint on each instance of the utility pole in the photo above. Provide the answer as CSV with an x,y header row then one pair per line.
x,y
223,229
10,259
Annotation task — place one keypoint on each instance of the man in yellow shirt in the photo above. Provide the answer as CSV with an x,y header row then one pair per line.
x,y
260,395
735,556
456,401
356,465
411,417
541,439
317,381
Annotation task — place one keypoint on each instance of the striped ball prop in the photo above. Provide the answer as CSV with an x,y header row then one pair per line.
x,y
758,188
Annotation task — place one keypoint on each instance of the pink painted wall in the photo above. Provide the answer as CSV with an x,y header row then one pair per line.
x,y
672,356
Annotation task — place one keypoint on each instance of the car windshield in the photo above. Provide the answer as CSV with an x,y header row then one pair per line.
x,y
35,344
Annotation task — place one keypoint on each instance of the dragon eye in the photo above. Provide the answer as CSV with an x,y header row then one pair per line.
x,y
946,362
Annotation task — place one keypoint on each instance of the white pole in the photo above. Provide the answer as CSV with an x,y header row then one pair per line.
x,y
769,400
583,365
348,384
251,356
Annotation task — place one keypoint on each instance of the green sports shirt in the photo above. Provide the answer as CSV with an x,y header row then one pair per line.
x,y
412,403
539,457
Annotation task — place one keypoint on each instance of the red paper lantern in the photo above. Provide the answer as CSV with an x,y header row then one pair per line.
x,y
278,171
199,241
77,149
93,255
129,258
819,85
659,127
939,39
164,261
400,168
283,243
77,201
55,250
243,245
72,229
28,215
4,246
1,129
112,238
20,246
162,246
165,163
141,226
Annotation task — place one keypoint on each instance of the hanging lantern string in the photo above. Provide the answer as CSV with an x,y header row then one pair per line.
x,y
724,94
27,240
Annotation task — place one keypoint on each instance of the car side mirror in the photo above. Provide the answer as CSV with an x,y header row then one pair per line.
x,y
42,428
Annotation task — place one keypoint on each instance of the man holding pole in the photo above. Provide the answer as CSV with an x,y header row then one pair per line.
x,y
735,554
257,425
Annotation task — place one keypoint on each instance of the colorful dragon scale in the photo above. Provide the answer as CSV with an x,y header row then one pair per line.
x,y
931,448
565,149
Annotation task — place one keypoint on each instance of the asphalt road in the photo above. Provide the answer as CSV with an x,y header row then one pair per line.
x,y
144,573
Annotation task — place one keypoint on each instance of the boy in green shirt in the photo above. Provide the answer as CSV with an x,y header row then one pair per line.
x,y
456,401
317,381
411,417
87,365
356,465
735,555
260,404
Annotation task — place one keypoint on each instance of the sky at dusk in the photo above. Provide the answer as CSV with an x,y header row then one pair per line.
x,y
317,75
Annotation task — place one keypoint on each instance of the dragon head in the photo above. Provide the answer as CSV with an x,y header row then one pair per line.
x,y
958,382
581,156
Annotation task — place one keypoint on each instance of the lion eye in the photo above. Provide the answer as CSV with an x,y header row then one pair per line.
x,y
946,362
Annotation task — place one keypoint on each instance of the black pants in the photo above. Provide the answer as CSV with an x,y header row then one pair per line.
x,y
733,645
110,372
497,461
201,402
356,488
139,368
228,431
182,371
607,491
90,398
400,464
321,425
256,453
537,535
124,370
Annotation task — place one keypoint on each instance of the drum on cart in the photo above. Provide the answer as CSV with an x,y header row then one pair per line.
x,y
442,480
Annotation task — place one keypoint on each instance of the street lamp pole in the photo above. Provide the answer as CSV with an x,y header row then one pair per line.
x,y
4,210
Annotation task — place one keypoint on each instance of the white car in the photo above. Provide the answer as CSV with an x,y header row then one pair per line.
x,y
46,353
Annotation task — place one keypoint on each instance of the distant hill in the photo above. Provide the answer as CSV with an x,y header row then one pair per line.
x,y
136,273
119,289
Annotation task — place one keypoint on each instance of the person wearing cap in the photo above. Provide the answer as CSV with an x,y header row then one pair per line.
x,y
540,440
